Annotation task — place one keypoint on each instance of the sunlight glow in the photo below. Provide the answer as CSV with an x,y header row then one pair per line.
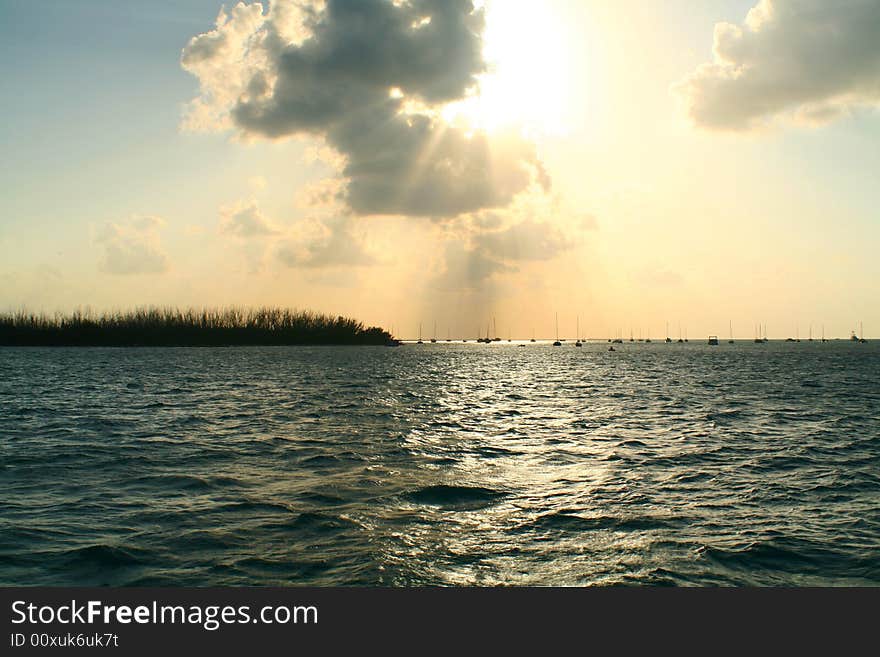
x,y
527,83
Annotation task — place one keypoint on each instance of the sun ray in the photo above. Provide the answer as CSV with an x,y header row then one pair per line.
x,y
526,85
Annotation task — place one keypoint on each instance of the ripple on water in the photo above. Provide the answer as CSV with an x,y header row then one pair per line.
x,y
441,464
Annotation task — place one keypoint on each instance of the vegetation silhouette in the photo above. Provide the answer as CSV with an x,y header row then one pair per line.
x,y
166,327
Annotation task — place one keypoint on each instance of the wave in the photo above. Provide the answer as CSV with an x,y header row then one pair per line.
x,y
571,521
455,496
105,556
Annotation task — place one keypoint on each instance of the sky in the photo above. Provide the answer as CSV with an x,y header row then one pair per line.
x,y
627,165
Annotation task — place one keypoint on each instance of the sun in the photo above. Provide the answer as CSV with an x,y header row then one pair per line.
x,y
526,85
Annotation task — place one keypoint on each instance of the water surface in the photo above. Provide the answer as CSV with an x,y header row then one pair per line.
x,y
441,464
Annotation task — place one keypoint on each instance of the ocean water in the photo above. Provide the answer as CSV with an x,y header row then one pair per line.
x,y
447,464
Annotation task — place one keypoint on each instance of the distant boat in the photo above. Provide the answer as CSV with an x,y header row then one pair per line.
x,y
730,341
485,340
533,335
611,349
420,334
434,339
557,343
713,339
758,338
859,338
578,333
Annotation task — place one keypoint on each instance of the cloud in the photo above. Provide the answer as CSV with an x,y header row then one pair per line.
x,y
367,78
325,243
809,60
245,220
133,246
327,238
468,267
528,240
493,243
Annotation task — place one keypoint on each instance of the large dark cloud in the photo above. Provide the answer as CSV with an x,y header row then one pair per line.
x,y
357,52
811,59
366,76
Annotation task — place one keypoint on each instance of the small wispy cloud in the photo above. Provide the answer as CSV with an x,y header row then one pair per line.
x,y
244,219
325,243
133,246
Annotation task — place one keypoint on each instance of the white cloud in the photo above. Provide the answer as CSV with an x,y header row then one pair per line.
x,y
330,242
810,61
133,246
536,229
245,220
